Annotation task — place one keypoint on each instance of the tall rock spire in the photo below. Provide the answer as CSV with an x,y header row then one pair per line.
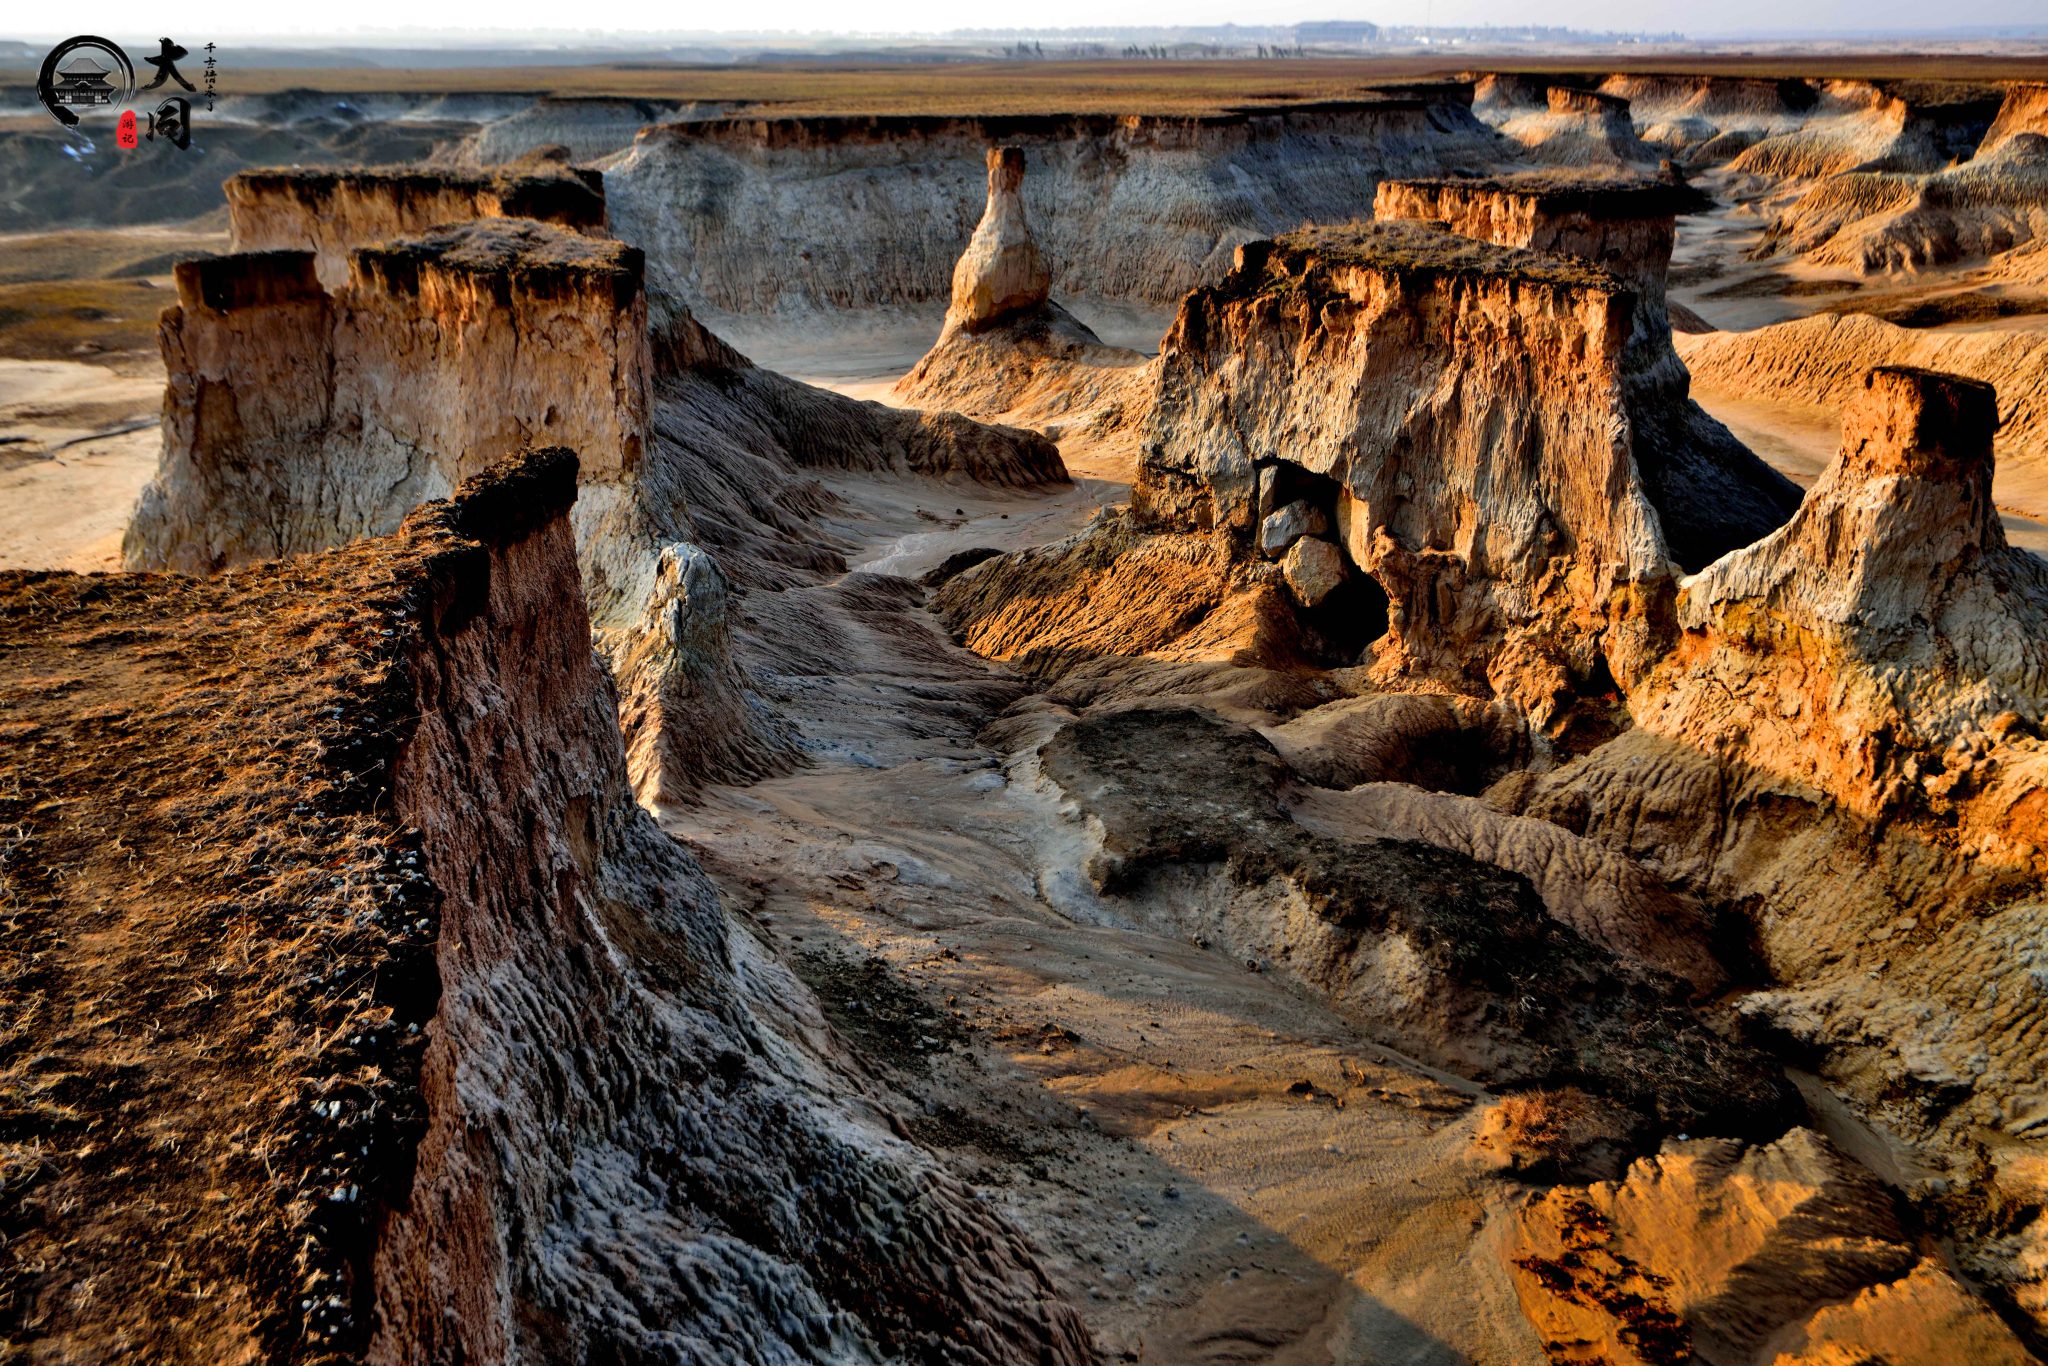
x,y
1001,274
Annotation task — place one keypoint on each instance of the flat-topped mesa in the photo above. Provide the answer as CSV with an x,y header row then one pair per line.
x,y
333,211
1886,647
1490,491
296,420
1712,493
1001,275
1625,223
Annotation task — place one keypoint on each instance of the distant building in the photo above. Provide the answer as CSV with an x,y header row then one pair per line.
x,y
1337,31
83,85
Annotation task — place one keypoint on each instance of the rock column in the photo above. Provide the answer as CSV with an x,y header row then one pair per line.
x,y
1001,274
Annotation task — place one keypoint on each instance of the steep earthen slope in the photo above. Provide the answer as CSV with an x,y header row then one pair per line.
x,y
756,216
298,419
1711,493
1879,126
417,814
330,212
1879,222
1560,124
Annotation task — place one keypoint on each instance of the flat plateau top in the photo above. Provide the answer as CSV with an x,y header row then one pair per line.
x,y
969,88
509,246
1559,191
1422,249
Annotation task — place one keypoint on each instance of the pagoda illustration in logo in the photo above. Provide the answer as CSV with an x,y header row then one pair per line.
x,y
84,74
83,84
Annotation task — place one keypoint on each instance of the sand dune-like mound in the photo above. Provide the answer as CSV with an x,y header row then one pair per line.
x,y
1821,360
1879,222
1788,1253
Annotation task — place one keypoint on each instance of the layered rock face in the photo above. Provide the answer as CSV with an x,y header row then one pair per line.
x,y
1558,120
1890,604
1875,222
1501,512
1711,492
753,216
1706,121
332,212
296,420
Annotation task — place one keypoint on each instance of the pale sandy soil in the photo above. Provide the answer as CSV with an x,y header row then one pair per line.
x,y
65,492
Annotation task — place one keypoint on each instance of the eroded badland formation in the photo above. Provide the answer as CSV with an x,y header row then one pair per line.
x,y
1374,829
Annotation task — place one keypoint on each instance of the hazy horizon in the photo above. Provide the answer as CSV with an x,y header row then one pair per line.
x,y
391,23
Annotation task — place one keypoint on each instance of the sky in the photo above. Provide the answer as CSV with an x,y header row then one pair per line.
x,y
245,19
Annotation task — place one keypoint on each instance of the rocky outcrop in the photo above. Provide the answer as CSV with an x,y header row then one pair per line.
x,y
1711,493
791,215
1559,122
1820,362
1491,493
1890,604
2024,110
296,421
332,212
1863,691
1712,1253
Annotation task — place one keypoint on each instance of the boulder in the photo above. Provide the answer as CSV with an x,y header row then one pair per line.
x,y
1289,524
1314,570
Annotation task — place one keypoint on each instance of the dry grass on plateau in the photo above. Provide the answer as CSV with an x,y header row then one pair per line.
x,y
215,959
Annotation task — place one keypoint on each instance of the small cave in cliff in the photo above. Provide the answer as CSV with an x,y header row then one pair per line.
x,y
1341,608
